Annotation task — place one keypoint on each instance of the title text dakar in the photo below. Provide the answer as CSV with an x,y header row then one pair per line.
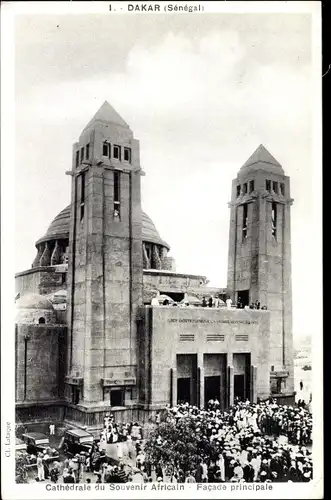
x,y
145,7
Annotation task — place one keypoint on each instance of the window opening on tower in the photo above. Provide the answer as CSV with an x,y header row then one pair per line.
x,y
117,152
82,195
117,193
274,220
77,158
244,230
127,154
106,149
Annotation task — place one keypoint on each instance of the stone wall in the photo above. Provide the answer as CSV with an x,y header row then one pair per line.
x,y
105,261
33,316
41,281
38,416
261,261
40,362
170,331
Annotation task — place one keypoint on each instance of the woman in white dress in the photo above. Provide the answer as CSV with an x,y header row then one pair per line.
x,y
221,466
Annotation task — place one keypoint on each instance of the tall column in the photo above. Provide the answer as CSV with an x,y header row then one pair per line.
x,y
55,259
201,379
230,379
287,299
146,262
232,251
253,397
36,262
46,256
174,387
156,258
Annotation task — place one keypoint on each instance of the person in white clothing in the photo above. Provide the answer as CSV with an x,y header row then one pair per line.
x,y
40,467
229,303
256,463
204,475
238,471
155,299
131,448
220,464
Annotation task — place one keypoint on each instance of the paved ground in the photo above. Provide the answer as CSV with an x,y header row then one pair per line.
x,y
137,478
55,441
130,463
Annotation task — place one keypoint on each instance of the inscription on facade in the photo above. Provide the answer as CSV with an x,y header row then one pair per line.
x,y
228,322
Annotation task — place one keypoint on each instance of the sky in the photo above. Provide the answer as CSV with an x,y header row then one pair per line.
x,y
200,92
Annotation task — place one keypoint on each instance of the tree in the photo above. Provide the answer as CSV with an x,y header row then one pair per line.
x,y
20,469
177,444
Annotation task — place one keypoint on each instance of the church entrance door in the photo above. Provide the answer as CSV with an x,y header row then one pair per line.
x,y
239,387
212,388
184,390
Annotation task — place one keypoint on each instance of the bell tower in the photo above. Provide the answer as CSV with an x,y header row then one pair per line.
x,y
259,261
105,263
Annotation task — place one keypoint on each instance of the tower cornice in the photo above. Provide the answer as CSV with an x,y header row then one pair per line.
x,y
94,163
266,195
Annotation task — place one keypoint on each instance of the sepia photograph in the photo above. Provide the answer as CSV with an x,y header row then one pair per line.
x,y
162,325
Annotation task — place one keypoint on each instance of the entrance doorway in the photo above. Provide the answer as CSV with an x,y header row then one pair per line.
x,y
75,394
239,387
212,388
184,390
187,377
117,397
243,297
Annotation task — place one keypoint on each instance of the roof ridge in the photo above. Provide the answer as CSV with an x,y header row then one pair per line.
x,y
261,155
106,113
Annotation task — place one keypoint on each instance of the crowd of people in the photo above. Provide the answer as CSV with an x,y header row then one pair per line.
x,y
216,300
252,443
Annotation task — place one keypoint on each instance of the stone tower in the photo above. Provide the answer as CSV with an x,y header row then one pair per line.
x,y
105,264
259,262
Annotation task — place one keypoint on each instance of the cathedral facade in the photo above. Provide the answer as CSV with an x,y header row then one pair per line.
x,y
104,321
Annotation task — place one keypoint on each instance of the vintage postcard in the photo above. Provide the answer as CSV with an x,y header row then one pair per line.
x,y
161,303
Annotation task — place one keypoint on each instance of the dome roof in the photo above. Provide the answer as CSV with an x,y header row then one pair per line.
x,y
34,301
149,231
59,229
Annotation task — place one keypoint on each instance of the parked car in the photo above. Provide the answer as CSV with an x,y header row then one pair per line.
x,y
36,442
77,441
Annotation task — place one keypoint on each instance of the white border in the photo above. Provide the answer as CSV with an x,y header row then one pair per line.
x,y
9,10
